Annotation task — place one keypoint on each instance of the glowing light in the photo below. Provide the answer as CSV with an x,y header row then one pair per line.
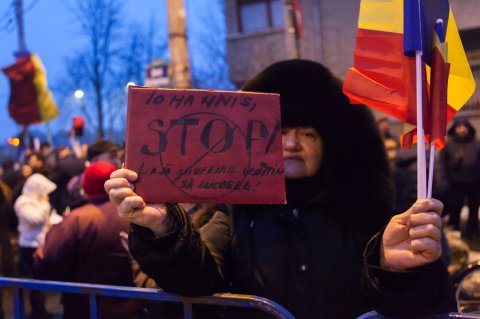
x,y
14,141
79,94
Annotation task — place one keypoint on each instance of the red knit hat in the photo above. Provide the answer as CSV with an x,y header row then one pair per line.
x,y
94,177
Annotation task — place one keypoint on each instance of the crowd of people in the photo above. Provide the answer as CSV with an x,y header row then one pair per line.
x,y
58,224
341,246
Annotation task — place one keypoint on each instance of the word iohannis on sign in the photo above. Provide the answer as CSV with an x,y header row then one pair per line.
x,y
201,146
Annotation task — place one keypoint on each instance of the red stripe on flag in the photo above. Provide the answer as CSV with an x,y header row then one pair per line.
x,y
438,98
409,138
382,76
23,104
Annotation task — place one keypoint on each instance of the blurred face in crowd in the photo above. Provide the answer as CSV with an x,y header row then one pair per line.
x,y
384,126
391,146
302,151
26,170
84,150
34,161
63,152
461,130
46,149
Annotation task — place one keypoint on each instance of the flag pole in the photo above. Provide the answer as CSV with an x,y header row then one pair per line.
x,y
49,133
21,33
430,169
421,161
294,29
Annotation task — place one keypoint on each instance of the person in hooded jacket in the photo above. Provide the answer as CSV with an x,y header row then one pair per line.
x,y
33,212
309,255
461,158
86,247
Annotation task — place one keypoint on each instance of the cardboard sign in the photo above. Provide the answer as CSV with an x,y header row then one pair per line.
x,y
200,146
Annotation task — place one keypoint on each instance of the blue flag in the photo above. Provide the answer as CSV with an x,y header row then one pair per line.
x,y
420,17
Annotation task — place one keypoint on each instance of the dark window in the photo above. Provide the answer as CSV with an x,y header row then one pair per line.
x,y
257,15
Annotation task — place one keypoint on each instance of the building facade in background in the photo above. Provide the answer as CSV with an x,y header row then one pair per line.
x,y
260,32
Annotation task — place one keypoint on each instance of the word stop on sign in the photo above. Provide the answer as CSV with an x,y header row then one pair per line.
x,y
205,146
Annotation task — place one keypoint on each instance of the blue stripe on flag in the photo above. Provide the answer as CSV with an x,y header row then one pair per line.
x,y
419,25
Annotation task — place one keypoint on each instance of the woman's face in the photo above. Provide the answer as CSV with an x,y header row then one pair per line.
x,y
302,151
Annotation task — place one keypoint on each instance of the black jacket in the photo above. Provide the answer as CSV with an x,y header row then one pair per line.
x,y
307,261
462,156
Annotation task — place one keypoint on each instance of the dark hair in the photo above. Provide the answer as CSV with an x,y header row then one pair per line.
x,y
8,164
38,155
100,147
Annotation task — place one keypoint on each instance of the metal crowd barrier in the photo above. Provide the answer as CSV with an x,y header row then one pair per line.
x,y
231,300
458,315
93,291
465,302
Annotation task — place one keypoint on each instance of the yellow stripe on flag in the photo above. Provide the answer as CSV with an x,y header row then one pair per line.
x,y
381,15
46,105
461,84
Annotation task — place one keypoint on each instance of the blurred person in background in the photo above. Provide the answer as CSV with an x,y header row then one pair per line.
x,y
6,253
49,156
461,159
33,212
7,220
12,175
13,180
107,151
36,162
86,247
102,150
384,128
68,166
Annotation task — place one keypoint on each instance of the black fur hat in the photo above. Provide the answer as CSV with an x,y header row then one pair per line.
x,y
307,89
354,170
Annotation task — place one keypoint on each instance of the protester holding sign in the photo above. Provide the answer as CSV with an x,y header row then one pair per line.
x,y
312,254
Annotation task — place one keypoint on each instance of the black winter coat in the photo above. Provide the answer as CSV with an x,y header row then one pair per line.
x,y
310,262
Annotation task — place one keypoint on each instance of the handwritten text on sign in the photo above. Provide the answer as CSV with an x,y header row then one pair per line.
x,y
205,146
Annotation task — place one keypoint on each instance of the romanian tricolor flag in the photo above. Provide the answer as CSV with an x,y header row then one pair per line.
x,y
384,74
30,100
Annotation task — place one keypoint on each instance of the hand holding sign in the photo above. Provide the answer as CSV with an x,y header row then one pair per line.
x,y
131,207
205,146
